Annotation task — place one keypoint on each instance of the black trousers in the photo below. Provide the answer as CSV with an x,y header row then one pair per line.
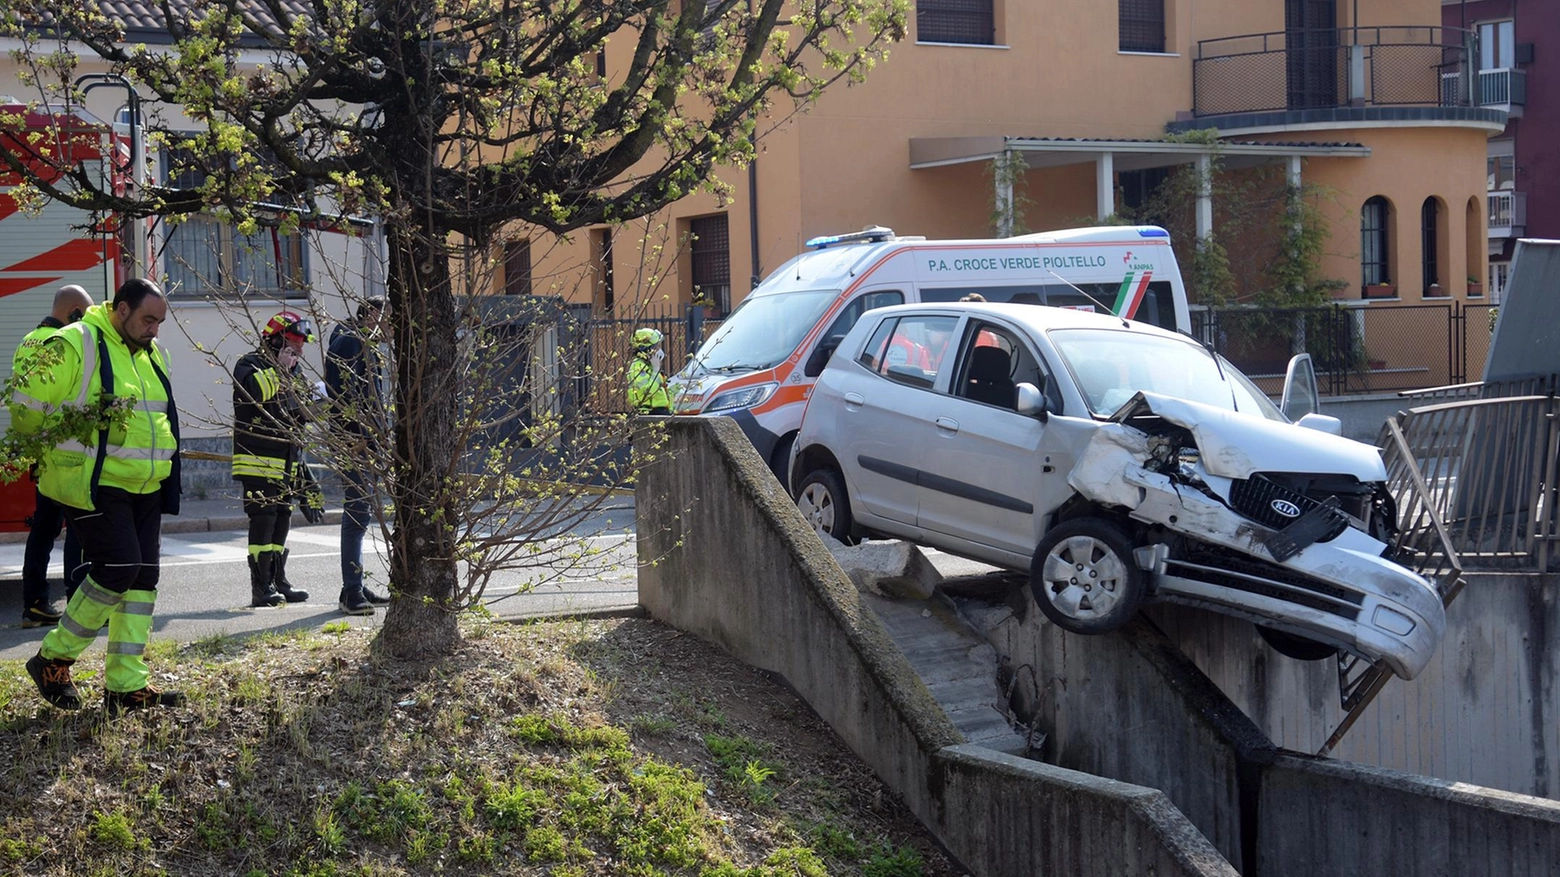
x,y
269,507
48,518
121,538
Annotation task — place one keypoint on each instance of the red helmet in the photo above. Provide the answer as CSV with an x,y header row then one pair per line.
x,y
290,324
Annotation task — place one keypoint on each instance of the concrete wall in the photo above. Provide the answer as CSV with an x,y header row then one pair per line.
x,y
725,555
1485,711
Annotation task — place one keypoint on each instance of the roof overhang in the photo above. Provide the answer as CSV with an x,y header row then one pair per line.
x,y
1040,152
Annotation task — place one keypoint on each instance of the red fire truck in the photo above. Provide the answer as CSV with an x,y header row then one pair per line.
x,y
40,251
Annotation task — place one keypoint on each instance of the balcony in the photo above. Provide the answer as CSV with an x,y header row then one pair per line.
x,y
1364,75
1508,214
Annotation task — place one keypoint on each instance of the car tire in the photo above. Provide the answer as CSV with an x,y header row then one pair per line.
x,y
822,500
780,460
1297,647
1084,578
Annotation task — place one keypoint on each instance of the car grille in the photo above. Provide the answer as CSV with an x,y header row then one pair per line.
x,y
1257,498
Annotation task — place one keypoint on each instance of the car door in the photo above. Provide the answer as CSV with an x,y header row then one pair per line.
x,y
884,412
988,473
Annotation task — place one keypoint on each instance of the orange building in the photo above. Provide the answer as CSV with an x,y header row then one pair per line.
x,y
1364,102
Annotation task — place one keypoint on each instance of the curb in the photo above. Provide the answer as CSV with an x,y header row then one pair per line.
x,y
175,524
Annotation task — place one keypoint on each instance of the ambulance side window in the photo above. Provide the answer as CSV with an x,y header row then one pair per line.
x,y
871,301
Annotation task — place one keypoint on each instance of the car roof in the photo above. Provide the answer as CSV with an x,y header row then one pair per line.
x,y
1037,318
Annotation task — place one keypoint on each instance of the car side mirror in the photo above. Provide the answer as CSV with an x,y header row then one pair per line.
x,y
1300,396
1321,423
821,354
1032,402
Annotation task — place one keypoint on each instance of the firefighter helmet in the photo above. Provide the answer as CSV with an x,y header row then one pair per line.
x,y
646,338
289,324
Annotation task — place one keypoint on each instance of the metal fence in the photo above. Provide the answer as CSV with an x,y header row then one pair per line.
x,y
1364,349
605,347
1335,67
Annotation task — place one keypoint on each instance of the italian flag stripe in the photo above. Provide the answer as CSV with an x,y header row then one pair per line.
x,y
1130,295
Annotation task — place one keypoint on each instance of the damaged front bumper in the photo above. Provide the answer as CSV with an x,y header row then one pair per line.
x,y
1341,592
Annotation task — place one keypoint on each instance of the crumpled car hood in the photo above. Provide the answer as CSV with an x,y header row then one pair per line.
x,y
1237,445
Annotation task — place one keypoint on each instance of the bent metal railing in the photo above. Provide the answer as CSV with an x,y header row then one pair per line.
x,y
1474,480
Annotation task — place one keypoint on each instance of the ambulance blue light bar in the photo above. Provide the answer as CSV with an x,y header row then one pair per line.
x,y
873,234
1153,233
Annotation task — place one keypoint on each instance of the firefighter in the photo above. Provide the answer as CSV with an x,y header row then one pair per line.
x,y
70,303
114,487
268,415
646,385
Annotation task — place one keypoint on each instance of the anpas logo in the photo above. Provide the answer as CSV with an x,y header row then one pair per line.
x,y
1285,508
1127,258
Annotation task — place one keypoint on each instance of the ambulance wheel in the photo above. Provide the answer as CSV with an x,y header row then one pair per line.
x,y
1297,647
1083,576
823,503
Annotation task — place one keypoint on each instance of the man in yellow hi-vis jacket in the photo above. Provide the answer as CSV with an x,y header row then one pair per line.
x,y
646,385
114,481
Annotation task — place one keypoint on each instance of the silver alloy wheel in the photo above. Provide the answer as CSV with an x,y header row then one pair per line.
x,y
1084,577
817,507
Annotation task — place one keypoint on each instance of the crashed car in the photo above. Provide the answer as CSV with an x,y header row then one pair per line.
x,y
1117,464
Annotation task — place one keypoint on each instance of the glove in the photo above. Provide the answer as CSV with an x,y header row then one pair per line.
x,y
312,504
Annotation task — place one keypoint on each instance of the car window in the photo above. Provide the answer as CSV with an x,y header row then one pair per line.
x,y
911,349
852,312
1110,366
993,364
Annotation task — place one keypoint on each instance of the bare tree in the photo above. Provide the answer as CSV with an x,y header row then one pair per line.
x,y
450,120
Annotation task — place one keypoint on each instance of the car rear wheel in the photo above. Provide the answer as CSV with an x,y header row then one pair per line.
x,y
822,501
1297,647
1084,578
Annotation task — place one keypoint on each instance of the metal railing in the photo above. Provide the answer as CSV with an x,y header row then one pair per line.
x,y
1507,211
1406,65
1376,348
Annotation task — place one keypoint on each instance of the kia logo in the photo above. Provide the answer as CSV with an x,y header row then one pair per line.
x,y
1285,508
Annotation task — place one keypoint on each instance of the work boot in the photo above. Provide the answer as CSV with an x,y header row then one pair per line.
x,y
116,702
354,603
40,613
279,580
374,597
53,680
262,592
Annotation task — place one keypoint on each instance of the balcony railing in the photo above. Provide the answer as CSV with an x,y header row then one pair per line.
x,y
1508,213
1502,87
1342,67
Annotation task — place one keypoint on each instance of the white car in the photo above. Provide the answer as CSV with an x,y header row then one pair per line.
x,y
1116,463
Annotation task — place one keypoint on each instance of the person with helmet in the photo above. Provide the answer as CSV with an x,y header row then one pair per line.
x,y
646,385
114,482
268,414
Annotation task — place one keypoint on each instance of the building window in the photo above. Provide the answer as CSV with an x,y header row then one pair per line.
x,y
955,21
517,267
1142,25
711,255
1374,216
202,255
1497,45
601,254
1138,189
1500,274
1430,245
1502,171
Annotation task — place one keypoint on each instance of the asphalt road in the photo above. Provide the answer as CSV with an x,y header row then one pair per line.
x,y
204,589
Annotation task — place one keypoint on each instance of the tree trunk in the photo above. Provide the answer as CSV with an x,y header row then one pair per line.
x,y
421,622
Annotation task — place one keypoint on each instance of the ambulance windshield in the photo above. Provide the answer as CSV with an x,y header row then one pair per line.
x,y
763,331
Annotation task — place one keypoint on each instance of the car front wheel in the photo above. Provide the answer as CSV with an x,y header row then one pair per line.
x,y
1084,578
822,501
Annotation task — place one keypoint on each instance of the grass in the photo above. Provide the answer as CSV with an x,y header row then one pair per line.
x,y
605,748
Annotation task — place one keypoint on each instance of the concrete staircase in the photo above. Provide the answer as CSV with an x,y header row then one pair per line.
x,y
957,664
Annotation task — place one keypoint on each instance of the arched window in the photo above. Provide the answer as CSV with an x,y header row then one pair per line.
x,y
1432,236
1374,218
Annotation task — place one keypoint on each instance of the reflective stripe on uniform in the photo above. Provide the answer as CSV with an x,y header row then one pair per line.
x,y
270,384
259,467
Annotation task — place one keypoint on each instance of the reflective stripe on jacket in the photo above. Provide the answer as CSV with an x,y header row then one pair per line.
x,y
140,452
266,413
646,386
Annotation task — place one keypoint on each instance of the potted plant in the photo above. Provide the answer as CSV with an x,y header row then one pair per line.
x,y
1475,288
1380,290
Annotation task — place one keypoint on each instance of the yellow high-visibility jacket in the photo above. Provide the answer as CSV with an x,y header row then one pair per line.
x,y
139,454
646,386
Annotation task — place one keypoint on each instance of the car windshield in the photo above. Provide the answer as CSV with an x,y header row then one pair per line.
x,y
763,330
1112,366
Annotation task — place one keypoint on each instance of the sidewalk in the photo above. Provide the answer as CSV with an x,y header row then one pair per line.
x,y
214,514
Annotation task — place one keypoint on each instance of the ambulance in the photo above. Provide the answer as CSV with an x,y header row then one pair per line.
x,y
44,250
759,366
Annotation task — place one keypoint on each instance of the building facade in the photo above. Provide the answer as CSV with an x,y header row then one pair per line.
x,y
1514,73
997,116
